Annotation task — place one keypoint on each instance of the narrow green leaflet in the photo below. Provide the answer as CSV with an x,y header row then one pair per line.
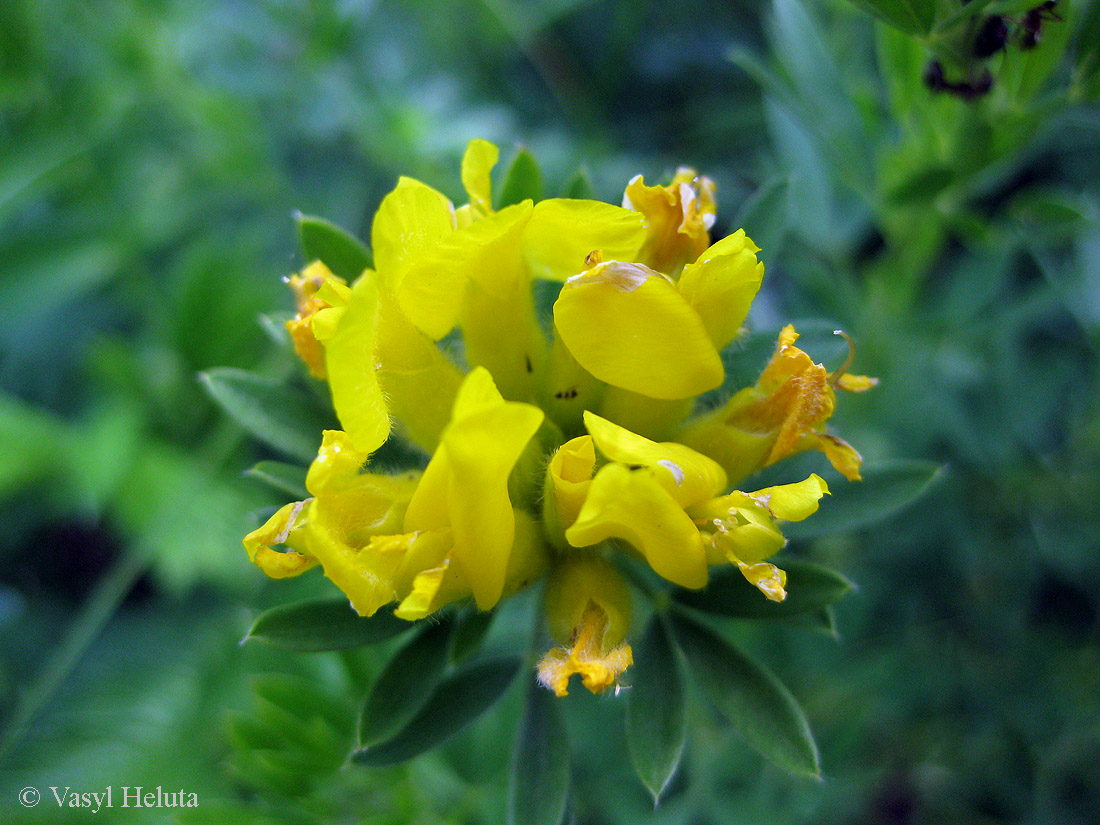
x,y
278,415
539,783
655,719
339,250
523,181
810,588
579,186
887,488
911,16
456,701
470,629
750,697
405,684
289,478
765,213
323,624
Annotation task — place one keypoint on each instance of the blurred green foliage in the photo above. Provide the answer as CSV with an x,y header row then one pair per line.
x,y
152,155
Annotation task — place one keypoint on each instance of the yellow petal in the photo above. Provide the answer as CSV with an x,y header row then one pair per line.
x,y
337,464
578,581
477,164
721,285
842,455
689,477
466,483
350,363
677,220
499,325
633,506
434,286
631,328
740,527
562,233
656,418
569,475
856,383
589,654
418,380
793,502
410,220
362,573
767,578
288,527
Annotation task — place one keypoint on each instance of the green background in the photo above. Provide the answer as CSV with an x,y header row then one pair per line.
x,y
151,157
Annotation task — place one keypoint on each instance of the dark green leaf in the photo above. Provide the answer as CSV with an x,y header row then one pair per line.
x,y
470,629
323,624
810,587
922,185
887,488
579,186
405,684
750,697
539,786
339,250
523,181
290,478
911,16
276,414
821,621
655,720
457,700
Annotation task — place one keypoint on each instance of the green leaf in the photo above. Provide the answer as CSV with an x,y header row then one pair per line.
x,y
470,629
810,588
911,16
289,478
750,697
523,181
339,250
655,719
579,186
921,185
279,416
886,489
539,782
764,217
323,624
456,701
405,684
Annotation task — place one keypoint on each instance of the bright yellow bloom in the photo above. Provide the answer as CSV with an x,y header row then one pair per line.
x,y
741,529
320,295
588,610
424,540
650,337
785,413
442,343
336,526
665,500
678,219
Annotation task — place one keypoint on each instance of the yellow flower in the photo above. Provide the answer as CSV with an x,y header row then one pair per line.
x,y
678,218
334,527
443,344
650,337
588,610
665,500
426,540
318,294
785,413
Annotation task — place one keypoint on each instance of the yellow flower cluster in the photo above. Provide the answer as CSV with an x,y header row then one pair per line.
x,y
555,444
